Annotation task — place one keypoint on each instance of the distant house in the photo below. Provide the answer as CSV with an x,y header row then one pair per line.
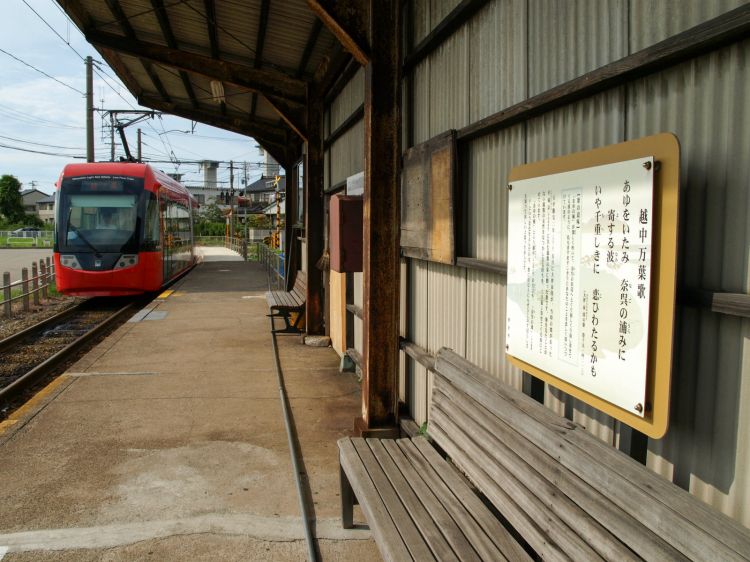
x,y
29,199
263,191
45,209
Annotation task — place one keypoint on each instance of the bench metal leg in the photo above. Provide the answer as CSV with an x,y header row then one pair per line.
x,y
347,501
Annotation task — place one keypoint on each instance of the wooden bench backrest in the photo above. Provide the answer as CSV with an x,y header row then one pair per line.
x,y
300,285
570,495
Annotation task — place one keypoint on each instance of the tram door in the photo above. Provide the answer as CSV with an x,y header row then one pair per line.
x,y
166,237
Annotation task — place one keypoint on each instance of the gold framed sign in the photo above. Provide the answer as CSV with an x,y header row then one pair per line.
x,y
592,246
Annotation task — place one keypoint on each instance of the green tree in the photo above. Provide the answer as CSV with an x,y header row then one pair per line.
x,y
11,206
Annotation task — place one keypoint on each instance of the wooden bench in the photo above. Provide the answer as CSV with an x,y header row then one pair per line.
x,y
561,493
284,303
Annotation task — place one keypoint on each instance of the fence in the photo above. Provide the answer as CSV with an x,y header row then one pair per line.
x,y
42,277
26,239
275,264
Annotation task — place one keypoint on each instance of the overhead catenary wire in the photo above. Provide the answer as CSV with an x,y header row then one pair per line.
x,y
80,56
11,55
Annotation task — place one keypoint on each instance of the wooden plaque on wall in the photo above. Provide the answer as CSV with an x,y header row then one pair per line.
x,y
427,200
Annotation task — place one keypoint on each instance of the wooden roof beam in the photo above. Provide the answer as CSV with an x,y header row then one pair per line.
x,y
309,46
347,20
273,139
122,19
166,29
286,94
259,43
266,82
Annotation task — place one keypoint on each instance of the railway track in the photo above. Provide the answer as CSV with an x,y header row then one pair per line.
x,y
35,353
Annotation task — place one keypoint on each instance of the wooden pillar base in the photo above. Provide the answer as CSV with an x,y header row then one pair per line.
x,y
361,430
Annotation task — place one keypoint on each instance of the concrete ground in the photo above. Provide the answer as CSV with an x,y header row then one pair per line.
x,y
167,441
14,260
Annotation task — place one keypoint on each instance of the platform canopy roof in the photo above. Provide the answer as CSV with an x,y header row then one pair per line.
x,y
247,66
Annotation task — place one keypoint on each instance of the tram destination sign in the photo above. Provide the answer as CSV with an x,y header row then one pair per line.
x,y
579,277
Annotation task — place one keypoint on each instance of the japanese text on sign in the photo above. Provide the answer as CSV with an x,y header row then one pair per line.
x,y
579,269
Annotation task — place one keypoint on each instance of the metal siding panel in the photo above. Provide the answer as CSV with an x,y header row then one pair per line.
x,y
422,25
347,154
485,326
359,301
489,160
402,326
439,9
568,39
653,21
497,58
703,101
422,108
449,84
350,98
417,332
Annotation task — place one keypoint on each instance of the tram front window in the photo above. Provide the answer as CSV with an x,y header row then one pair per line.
x,y
101,222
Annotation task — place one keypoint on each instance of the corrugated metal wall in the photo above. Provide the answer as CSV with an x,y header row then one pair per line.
x,y
515,49
512,50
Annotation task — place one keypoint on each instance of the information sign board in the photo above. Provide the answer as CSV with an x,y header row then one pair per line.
x,y
579,272
592,254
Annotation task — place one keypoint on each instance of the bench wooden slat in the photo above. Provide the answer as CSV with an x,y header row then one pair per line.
x,y
483,544
554,539
418,513
392,546
406,527
442,518
633,534
524,483
492,527
681,519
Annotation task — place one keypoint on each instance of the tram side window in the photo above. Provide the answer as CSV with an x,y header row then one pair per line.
x,y
151,237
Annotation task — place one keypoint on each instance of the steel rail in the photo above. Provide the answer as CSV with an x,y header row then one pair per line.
x,y
13,339
14,388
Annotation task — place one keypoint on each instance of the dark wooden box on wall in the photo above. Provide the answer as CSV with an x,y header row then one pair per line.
x,y
428,185
346,233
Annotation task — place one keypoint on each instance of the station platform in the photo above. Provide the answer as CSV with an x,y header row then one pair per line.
x,y
167,441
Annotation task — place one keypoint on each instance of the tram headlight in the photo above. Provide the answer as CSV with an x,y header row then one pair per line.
x,y
126,260
70,262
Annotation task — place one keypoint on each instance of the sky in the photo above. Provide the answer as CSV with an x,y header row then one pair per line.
x,y
47,114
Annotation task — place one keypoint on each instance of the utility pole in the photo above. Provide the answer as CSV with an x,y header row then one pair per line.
x,y
140,159
231,195
112,137
89,109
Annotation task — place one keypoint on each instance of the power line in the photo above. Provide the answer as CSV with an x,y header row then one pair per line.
x,y
33,119
41,144
21,149
53,29
41,71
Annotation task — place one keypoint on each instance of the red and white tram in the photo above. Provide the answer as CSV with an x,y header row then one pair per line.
x,y
120,229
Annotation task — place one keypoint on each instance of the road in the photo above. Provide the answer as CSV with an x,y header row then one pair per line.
x,y
14,260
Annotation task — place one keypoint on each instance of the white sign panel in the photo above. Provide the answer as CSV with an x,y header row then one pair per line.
x,y
579,272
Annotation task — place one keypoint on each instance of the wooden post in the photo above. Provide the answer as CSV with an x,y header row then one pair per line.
x,y
35,282
382,218
6,295
314,216
50,270
45,279
25,288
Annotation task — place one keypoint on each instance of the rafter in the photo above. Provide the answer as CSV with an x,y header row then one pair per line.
x,y
311,40
166,29
122,20
259,43
264,81
347,20
272,138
